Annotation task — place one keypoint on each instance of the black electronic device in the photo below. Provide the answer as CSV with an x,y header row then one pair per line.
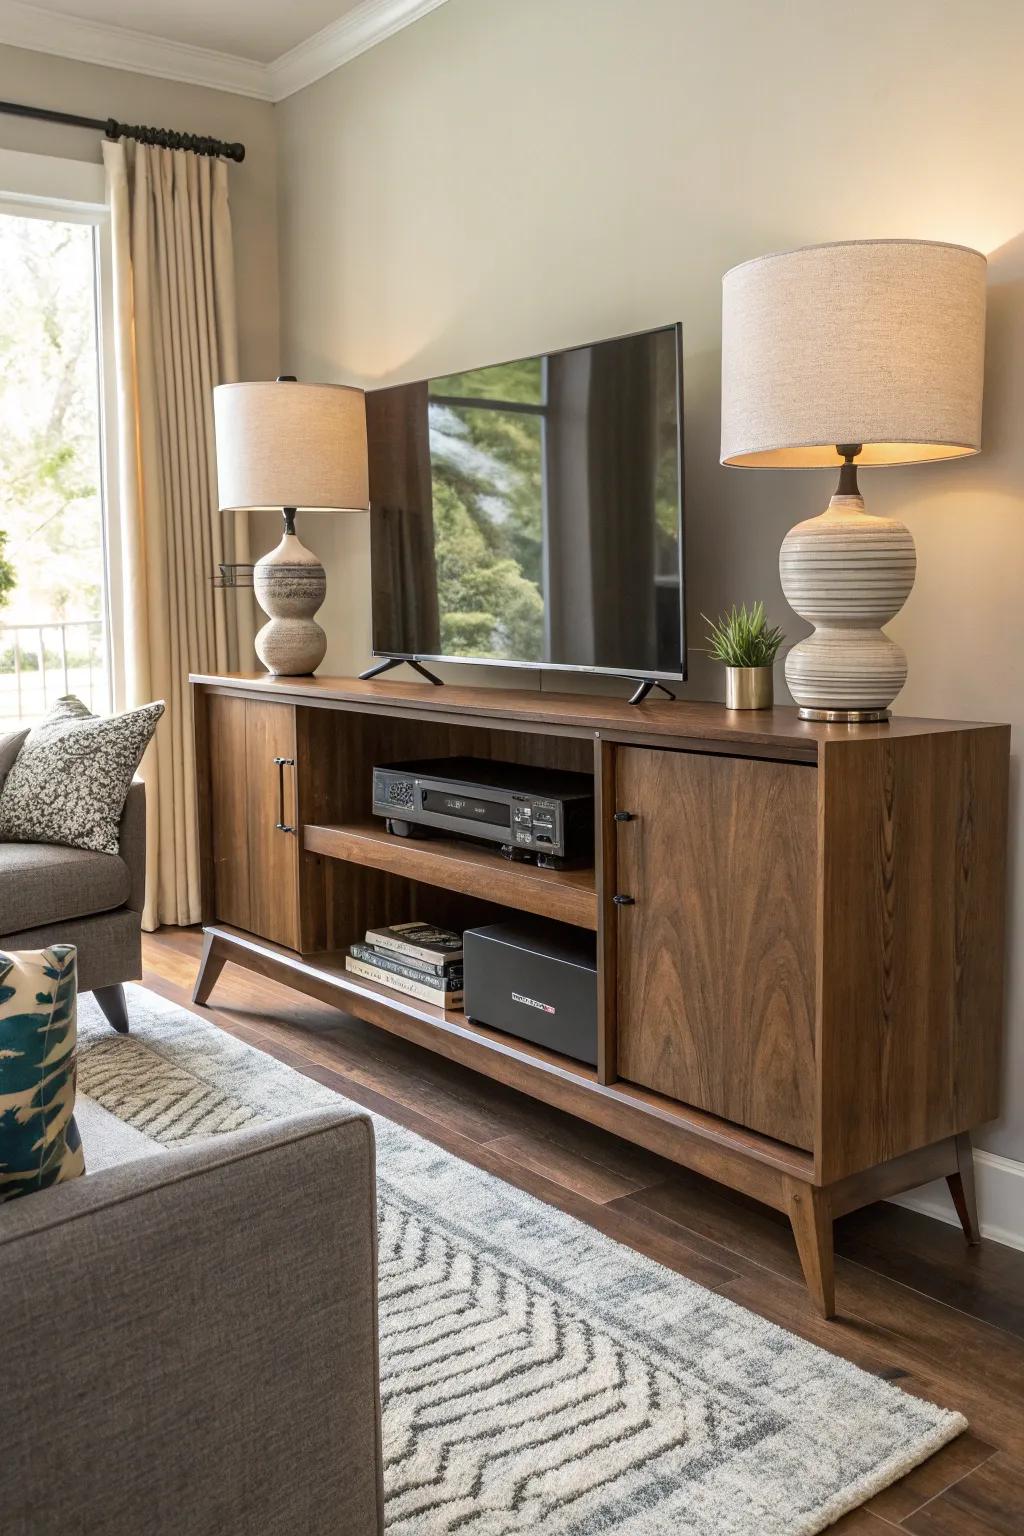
x,y
530,513
535,980
546,814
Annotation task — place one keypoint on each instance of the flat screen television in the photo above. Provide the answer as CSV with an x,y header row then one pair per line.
x,y
530,513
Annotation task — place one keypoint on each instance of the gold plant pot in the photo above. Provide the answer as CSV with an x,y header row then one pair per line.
x,y
748,687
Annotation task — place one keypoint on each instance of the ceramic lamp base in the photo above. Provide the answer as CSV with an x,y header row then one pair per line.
x,y
847,574
290,585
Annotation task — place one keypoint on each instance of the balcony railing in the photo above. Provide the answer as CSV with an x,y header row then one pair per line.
x,y
40,662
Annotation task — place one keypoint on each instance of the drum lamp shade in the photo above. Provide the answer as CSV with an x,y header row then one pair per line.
x,y
286,444
873,342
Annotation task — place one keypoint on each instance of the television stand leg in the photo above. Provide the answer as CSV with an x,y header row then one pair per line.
x,y
400,661
648,685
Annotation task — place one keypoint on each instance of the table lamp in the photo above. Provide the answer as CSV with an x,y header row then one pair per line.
x,y
866,352
288,445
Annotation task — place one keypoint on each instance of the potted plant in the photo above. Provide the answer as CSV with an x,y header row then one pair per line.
x,y
747,647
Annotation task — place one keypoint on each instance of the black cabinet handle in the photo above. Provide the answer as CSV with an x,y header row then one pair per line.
x,y
624,901
282,763
624,816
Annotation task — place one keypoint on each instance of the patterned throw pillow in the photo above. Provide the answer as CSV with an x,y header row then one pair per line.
x,y
70,780
39,1140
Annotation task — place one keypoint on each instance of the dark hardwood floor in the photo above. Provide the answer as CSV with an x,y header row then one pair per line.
x,y
916,1305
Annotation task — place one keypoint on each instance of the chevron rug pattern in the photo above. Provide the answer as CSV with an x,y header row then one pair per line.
x,y
537,1377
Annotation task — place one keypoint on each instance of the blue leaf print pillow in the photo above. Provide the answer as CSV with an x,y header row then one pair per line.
x,y
39,1140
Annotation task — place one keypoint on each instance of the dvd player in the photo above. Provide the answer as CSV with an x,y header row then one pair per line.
x,y
546,814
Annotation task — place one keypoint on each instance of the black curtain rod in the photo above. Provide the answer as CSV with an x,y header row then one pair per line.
x,y
165,138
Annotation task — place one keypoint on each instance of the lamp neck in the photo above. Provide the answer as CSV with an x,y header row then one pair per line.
x,y
848,474
289,512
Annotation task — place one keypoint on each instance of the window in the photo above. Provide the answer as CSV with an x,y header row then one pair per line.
x,y
56,533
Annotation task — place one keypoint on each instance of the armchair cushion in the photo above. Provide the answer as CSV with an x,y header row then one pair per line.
x,y
190,1341
45,883
10,746
70,780
39,1141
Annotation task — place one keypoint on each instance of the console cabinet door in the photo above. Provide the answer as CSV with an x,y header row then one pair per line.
x,y
229,822
715,957
273,821
255,863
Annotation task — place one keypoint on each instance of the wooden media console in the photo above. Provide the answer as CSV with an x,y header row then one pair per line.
x,y
801,996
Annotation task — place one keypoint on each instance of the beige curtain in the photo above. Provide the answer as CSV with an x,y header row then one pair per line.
x,y
175,338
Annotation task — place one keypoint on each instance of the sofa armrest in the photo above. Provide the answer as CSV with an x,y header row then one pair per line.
x,y
190,1341
131,841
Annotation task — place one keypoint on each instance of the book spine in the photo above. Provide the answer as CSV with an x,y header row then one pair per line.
x,y
451,977
429,957
416,989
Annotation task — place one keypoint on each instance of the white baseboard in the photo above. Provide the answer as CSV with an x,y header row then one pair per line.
x,y
1000,1186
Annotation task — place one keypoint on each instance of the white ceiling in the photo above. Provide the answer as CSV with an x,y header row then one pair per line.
x,y
249,29
263,48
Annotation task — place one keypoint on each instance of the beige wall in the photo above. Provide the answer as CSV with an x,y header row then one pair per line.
x,y
43,81
500,178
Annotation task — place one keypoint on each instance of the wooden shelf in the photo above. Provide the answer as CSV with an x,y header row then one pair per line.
x,y
452,1021
568,895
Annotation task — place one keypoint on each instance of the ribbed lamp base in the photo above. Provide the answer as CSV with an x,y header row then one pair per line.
x,y
847,574
290,586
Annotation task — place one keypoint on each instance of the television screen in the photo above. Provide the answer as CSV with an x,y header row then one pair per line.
x,y
530,513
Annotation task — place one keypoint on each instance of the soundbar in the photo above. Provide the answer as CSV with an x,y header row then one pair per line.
x,y
542,814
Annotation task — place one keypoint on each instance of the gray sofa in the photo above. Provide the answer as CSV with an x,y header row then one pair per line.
x,y
56,895
189,1342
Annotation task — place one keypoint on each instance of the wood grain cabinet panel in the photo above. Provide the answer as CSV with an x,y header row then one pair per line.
x,y
274,832
913,913
255,864
716,953
228,813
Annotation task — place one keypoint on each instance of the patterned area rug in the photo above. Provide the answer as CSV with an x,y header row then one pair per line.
x,y
536,1376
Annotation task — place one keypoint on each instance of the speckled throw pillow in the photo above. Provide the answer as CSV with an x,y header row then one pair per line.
x,y
70,780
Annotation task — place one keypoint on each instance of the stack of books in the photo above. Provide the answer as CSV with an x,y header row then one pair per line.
x,y
414,958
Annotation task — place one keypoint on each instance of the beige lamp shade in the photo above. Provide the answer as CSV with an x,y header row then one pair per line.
x,y
286,444
876,342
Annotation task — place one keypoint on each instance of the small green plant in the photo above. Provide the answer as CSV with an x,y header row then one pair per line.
x,y
742,639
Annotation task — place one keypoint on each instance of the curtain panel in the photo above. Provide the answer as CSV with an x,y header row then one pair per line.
x,y
175,338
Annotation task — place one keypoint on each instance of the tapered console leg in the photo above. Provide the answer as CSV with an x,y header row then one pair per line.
x,y
810,1213
211,962
961,1187
114,1007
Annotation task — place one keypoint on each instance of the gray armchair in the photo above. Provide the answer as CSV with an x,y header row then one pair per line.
x,y
190,1339
55,895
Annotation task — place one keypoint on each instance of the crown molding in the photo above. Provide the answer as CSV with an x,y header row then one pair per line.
x,y
354,33
91,42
